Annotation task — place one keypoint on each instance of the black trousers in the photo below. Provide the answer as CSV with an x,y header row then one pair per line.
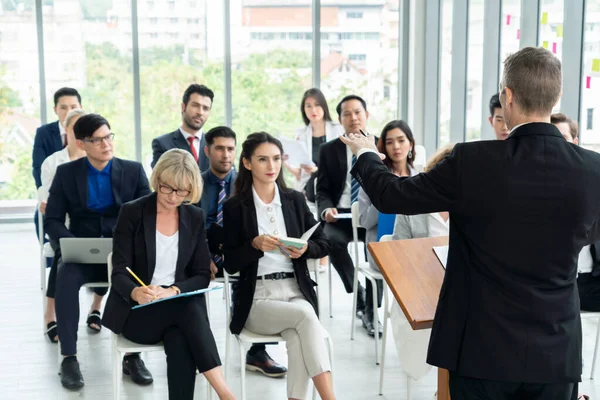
x,y
183,327
589,292
463,388
69,279
339,235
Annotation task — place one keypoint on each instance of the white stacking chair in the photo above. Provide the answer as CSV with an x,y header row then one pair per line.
x,y
316,266
46,251
246,337
364,267
593,315
120,345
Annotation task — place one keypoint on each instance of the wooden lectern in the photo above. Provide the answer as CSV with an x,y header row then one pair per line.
x,y
414,274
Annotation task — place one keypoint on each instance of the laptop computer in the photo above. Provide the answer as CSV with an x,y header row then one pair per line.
x,y
85,250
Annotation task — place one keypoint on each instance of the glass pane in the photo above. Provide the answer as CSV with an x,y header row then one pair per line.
x,y
88,47
474,70
445,72
19,98
551,28
510,30
589,122
271,46
180,43
359,55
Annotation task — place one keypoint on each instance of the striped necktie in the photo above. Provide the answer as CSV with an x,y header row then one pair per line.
x,y
354,185
217,259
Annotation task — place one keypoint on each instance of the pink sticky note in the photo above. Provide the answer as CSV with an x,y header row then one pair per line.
x,y
588,82
508,19
554,47
518,33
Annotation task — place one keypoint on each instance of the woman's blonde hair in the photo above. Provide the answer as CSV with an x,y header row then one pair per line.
x,y
438,156
74,114
178,167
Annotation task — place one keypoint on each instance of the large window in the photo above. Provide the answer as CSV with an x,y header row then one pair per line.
x,y
445,72
19,98
361,57
510,29
589,122
271,51
173,56
475,70
551,28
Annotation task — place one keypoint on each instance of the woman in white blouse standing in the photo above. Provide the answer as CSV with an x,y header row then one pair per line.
x,y
275,295
412,345
71,152
397,142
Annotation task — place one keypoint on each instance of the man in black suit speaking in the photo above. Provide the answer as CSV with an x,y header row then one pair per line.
x,y
195,109
507,324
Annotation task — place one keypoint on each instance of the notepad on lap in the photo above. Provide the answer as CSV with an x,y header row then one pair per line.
x,y
299,242
213,286
442,254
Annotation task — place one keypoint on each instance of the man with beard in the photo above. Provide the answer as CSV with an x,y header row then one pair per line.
x,y
195,109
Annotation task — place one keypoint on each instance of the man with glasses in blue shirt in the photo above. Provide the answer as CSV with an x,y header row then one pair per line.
x,y
91,191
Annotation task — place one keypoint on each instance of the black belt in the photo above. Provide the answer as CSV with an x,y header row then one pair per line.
x,y
278,275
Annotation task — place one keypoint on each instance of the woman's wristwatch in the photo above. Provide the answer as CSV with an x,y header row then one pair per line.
x,y
176,289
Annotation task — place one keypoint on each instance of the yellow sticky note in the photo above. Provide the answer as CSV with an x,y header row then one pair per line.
x,y
559,31
596,65
545,44
544,17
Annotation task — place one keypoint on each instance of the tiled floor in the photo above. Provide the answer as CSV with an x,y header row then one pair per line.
x,y
28,362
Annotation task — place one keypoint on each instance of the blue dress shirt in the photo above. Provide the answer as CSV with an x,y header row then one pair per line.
x,y
100,195
210,195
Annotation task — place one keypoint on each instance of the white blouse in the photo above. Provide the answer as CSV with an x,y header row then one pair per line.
x,y
167,249
437,226
49,167
270,221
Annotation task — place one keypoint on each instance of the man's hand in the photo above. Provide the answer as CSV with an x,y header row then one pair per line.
x,y
265,243
162,293
330,215
213,270
295,252
358,142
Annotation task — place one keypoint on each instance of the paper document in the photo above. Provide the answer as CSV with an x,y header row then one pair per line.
x,y
442,254
299,242
211,287
343,216
296,151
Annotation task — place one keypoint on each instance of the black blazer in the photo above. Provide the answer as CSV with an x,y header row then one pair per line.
x,y
68,195
175,140
241,226
47,141
520,212
331,175
134,246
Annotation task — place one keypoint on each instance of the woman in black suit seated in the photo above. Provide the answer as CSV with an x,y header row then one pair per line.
x,y
164,242
275,294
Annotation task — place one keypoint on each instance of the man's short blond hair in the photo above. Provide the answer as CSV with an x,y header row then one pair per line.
x,y
438,156
178,168
535,77
73,115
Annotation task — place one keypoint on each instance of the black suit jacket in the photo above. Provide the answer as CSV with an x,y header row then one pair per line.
x,y
134,246
331,176
68,195
520,212
175,140
241,226
47,141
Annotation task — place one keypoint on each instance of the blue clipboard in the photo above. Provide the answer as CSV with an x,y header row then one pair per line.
x,y
186,294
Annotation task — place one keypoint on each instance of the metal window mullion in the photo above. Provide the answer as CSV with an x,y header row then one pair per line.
x,y
403,58
432,75
136,81
316,43
572,56
492,34
458,89
227,62
39,18
530,23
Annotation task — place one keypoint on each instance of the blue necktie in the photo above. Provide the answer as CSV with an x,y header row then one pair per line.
x,y
354,185
217,259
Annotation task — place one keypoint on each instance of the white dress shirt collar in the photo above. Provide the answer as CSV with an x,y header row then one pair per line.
x,y
259,203
186,135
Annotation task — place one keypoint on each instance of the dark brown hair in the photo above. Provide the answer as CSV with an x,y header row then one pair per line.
x,y
320,98
558,118
403,126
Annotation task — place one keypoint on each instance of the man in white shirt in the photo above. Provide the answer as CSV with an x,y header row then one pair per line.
x,y
195,110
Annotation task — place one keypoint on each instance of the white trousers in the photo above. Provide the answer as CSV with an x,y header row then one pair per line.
x,y
279,308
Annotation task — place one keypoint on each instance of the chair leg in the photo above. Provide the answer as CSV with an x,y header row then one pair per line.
x,y
115,369
375,318
207,297
316,265
354,291
386,316
408,387
242,369
330,297
595,350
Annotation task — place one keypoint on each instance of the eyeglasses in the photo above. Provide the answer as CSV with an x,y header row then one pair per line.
x,y
96,141
168,190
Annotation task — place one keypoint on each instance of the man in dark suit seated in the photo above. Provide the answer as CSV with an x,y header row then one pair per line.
x,y
336,191
195,109
218,185
91,191
496,118
52,137
507,324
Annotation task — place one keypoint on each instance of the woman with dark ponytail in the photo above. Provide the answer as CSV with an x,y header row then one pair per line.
x,y
275,293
